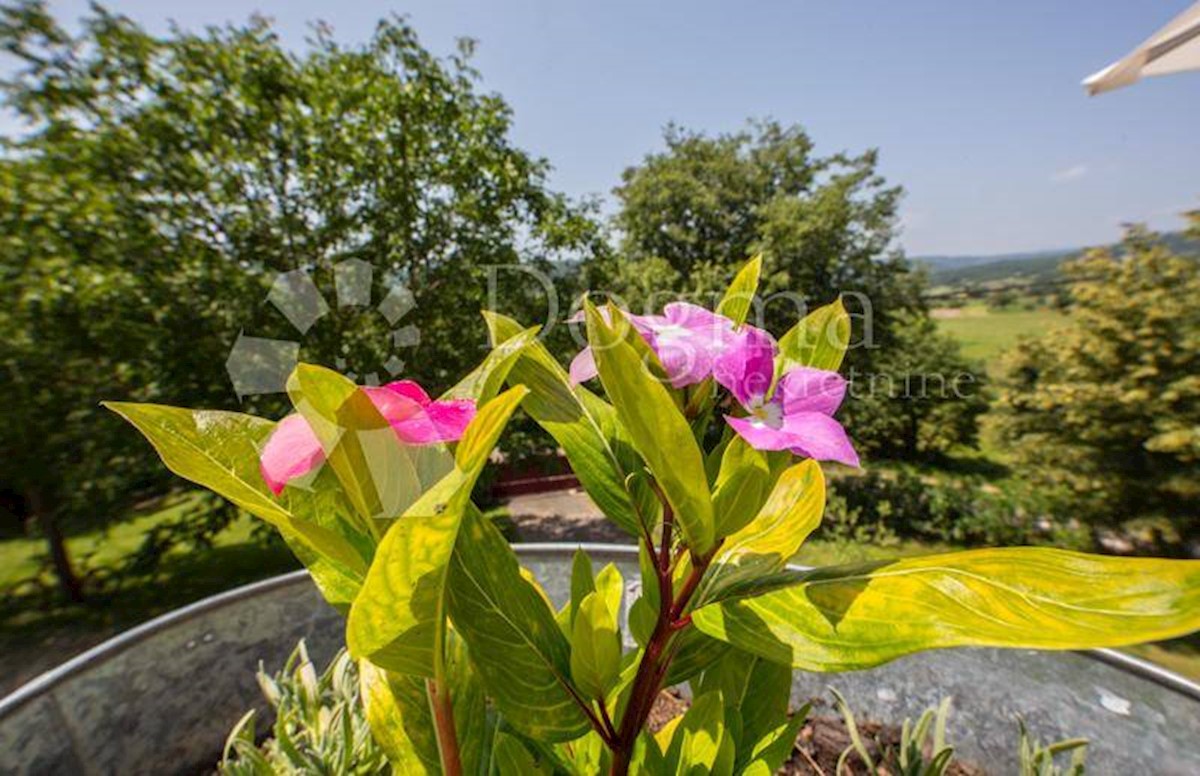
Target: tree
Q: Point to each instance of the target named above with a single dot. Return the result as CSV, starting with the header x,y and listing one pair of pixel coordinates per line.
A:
x,y
1109,406
925,398
690,214
165,182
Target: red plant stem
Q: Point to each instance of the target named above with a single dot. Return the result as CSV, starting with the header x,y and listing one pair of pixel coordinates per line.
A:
x,y
443,720
607,720
656,660
664,553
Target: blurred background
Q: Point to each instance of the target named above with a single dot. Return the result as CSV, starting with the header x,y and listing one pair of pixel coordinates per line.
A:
x,y
1021,261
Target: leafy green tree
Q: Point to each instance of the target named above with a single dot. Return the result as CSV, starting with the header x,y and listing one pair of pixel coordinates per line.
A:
x,y
163,183
693,212
1109,406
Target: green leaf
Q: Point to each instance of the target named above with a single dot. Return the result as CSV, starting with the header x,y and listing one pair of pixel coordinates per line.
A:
x,y
741,486
792,511
398,712
658,429
587,755
735,305
700,744
858,616
757,689
521,655
396,617
582,581
647,756
219,451
819,340
381,476
474,730
482,384
595,647
642,619
511,758
695,652
584,425
770,752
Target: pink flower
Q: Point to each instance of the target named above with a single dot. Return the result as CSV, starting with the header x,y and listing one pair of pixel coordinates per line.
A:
x,y
293,450
798,416
687,340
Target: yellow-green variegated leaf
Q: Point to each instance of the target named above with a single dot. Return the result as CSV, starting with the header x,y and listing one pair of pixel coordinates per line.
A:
x,y
400,611
739,297
485,381
584,425
819,340
768,542
853,617
517,647
398,713
611,587
659,431
398,710
220,451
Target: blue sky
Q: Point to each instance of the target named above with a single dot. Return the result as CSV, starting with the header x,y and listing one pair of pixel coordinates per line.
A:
x,y
975,106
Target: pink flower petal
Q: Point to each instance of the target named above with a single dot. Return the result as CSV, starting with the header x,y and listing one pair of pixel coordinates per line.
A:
x,y
687,359
687,340
417,419
409,390
805,389
583,367
292,451
816,435
759,435
747,365
439,421
395,405
808,434
695,317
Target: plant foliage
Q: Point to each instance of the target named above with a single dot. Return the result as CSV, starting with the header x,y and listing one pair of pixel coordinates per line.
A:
x,y
467,665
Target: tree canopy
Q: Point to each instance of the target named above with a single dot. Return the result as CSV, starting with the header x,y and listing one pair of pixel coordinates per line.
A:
x,y
1108,407
163,183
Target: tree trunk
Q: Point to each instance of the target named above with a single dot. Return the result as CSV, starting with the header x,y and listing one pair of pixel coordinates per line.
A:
x,y
67,580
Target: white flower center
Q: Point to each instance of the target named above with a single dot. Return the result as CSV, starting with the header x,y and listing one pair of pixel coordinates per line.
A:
x,y
765,413
670,334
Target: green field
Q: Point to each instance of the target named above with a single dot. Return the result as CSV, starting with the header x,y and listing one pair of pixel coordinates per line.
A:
x,y
985,333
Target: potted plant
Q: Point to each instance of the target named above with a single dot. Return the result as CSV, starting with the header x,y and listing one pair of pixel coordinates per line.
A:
x,y
705,448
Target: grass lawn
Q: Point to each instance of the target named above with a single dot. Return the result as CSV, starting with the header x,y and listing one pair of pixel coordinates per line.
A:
x,y
985,333
98,547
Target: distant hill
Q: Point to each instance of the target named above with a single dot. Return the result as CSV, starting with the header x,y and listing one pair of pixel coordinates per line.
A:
x,y
1032,265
